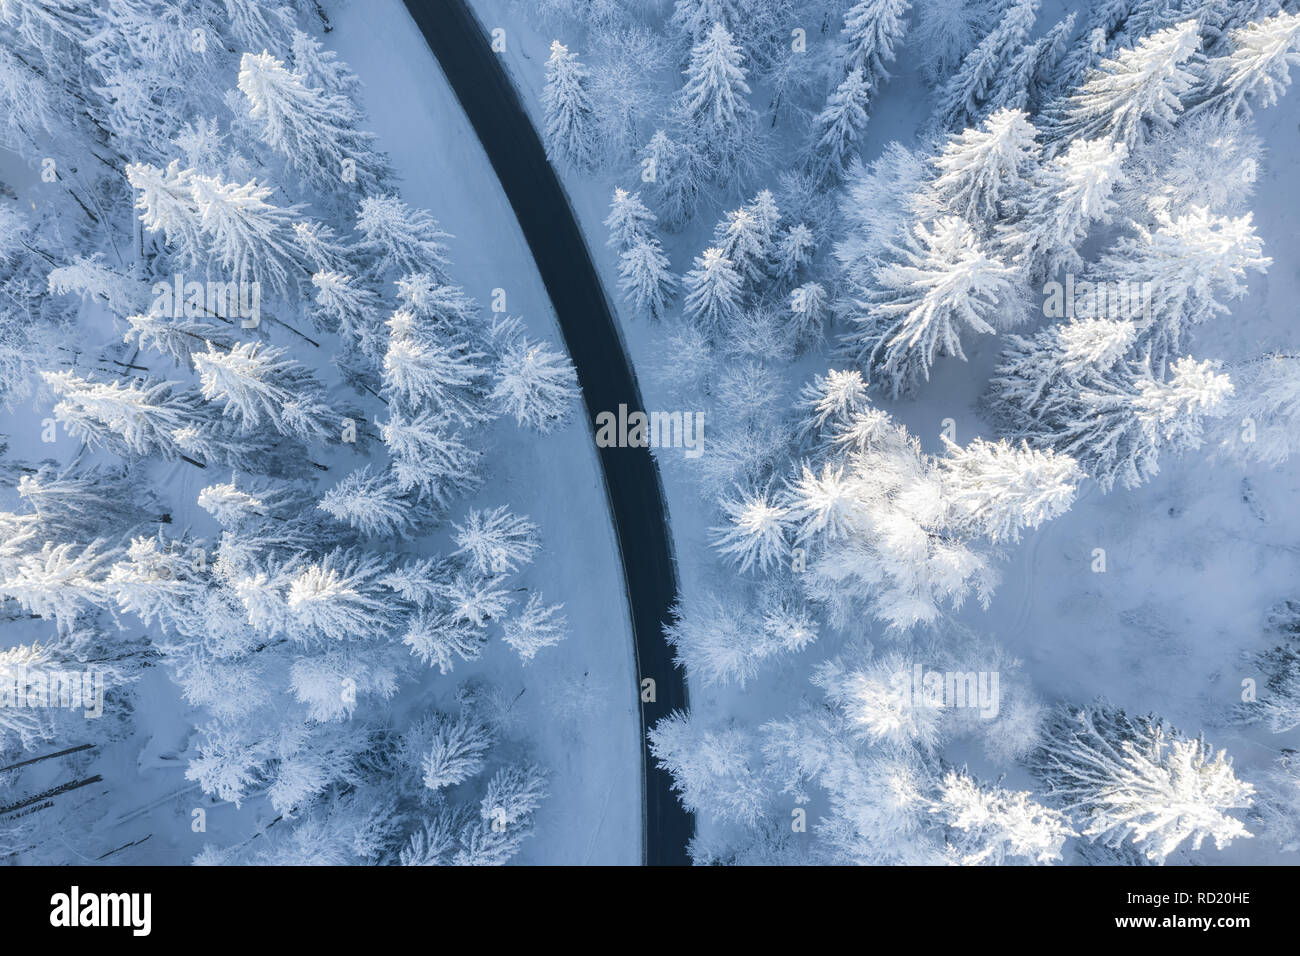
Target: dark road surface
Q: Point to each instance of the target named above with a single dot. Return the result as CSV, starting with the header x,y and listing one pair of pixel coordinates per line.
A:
x,y
550,228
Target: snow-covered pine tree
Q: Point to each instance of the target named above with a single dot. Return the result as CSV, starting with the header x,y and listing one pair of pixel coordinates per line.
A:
x,y
398,239
254,382
983,171
837,128
1135,779
713,107
1070,389
316,130
1053,217
629,221
138,418
1138,91
992,826
422,368
645,279
429,457
942,283
166,203
566,99
715,770
793,253
252,239
872,30
713,290
964,98
456,749
535,627
744,242
373,503
338,597
1257,73
1179,273
754,535
496,541
536,384
998,490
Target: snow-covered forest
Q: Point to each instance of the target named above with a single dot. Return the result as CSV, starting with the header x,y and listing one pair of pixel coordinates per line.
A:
x,y
987,310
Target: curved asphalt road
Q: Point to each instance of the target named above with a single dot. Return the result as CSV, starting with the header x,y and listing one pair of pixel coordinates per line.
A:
x,y
488,98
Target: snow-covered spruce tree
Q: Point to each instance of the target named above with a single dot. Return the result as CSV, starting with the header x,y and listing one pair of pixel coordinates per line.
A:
x,y
423,368
430,458
399,240
964,98
1032,75
629,221
373,503
59,582
1261,421
677,173
254,382
872,30
1135,779
349,308
757,25
316,130
1147,17
1257,73
754,536
536,384
1071,389
496,541
984,171
942,283
166,203
713,290
566,99
838,126
714,768
127,419
1056,211
87,501
745,242
1181,270
713,108
339,596
992,826
536,627
873,521
997,490
948,30
250,238
645,279
456,748
793,253
1137,92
